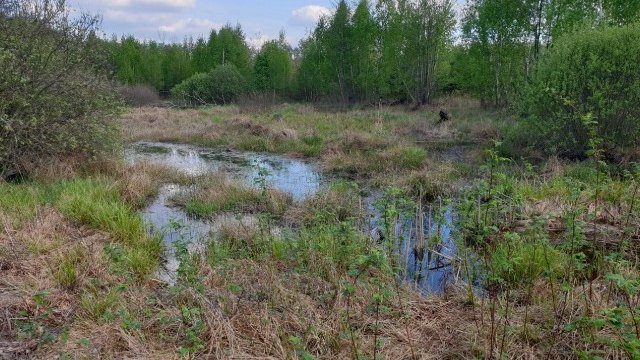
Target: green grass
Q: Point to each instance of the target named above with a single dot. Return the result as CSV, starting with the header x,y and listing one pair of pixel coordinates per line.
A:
x,y
409,157
66,274
19,202
95,202
218,194
230,199
98,303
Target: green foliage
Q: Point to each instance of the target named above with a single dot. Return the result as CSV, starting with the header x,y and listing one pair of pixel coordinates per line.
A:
x,y
54,97
505,38
515,261
223,85
67,272
492,62
587,86
364,55
273,67
193,319
196,90
164,66
97,203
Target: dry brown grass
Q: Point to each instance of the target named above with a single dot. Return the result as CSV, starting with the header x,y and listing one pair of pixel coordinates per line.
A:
x,y
270,305
256,321
139,182
166,125
328,206
217,193
30,259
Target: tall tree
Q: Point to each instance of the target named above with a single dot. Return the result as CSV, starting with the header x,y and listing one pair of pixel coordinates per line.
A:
x,y
273,66
364,59
228,46
338,48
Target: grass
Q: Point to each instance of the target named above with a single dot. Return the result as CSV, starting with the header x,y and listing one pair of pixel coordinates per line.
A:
x,y
215,194
67,272
554,248
364,144
94,202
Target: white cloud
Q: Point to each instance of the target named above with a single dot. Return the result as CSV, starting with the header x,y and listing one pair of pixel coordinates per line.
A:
x,y
137,17
308,15
258,40
189,25
168,3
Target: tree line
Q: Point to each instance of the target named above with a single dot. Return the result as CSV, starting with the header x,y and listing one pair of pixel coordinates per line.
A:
x,y
392,51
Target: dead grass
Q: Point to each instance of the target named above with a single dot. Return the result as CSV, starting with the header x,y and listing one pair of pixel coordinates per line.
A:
x,y
272,313
251,309
359,143
168,125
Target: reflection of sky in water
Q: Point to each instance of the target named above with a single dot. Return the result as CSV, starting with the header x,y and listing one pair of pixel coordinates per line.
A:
x,y
173,224
430,272
289,175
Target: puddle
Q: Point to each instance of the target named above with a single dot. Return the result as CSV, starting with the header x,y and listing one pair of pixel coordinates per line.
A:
x,y
293,176
427,268
427,260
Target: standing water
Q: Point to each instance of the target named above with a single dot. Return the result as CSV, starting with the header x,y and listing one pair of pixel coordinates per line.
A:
x,y
428,269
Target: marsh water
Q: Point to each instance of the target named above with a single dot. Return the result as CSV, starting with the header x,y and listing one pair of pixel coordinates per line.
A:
x,y
429,270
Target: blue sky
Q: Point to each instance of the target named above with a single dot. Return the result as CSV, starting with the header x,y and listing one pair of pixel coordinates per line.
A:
x,y
172,20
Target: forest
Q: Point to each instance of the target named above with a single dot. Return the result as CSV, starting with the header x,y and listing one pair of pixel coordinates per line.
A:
x,y
414,179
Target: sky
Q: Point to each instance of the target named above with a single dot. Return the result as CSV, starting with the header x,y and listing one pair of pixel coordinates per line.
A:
x,y
173,20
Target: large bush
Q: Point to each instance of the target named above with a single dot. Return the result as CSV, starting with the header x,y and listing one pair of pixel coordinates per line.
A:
x,y
592,74
223,85
54,97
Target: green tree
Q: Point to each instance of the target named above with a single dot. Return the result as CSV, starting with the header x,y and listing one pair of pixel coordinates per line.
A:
x,y
273,66
364,59
223,85
228,46
339,49
590,74
314,73
176,66
414,35
498,31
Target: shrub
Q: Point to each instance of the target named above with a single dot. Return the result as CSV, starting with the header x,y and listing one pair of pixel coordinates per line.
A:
x,y
139,95
223,85
55,99
594,74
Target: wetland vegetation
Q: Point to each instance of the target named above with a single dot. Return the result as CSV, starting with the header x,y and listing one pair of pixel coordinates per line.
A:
x,y
318,207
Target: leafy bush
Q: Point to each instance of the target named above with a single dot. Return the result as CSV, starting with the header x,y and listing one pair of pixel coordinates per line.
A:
x,y
139,95
223,85
589,75
55,99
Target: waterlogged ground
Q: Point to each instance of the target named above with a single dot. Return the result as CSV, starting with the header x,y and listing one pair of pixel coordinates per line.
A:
x,y
429,268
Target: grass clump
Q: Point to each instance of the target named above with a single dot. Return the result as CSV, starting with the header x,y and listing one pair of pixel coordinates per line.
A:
x,y
407,157
218,194
67,271
96,203
97,303
19,202
339,203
